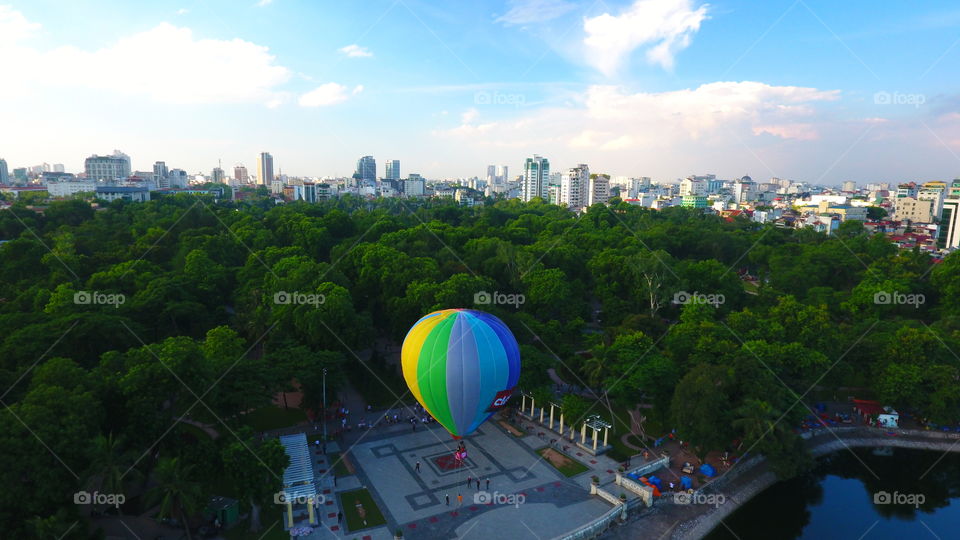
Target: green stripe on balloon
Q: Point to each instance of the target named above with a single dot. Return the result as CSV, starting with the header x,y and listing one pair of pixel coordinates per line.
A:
x,y
432,372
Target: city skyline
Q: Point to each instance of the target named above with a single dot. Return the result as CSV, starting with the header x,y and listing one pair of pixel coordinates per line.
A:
x,y
687,86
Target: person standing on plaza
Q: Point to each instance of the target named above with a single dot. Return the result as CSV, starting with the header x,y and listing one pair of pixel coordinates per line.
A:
x,y
459,499
488,484
448,499
340,517
418,465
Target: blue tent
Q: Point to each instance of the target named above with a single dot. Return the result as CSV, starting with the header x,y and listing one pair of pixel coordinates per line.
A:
x,y
655,481
686,482
707,469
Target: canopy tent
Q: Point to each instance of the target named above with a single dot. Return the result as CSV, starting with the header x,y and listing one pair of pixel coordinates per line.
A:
x,y
707,470
686,482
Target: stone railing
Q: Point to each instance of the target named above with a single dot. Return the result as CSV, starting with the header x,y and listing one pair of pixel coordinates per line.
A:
x,y
645,492
659,463
595,528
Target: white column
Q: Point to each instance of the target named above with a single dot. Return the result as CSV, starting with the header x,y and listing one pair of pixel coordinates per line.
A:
x,y
523,402
551,416
561,422
595,433
606,431
533,405
583,434
541,415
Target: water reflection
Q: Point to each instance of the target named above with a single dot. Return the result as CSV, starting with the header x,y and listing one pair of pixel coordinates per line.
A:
x,y
913,491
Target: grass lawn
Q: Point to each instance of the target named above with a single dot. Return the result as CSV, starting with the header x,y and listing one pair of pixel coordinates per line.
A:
x,y
562,462
348,502
339,467
273,417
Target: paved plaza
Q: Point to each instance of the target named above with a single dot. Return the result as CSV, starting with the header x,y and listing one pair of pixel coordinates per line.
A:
x,y
535,500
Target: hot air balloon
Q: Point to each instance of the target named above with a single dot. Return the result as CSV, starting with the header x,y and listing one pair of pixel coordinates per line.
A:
x,y
462,366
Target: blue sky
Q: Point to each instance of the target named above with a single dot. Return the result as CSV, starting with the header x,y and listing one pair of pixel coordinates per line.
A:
x,y
803,89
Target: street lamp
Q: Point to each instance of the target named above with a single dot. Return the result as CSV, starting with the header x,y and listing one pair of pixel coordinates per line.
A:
x,y
324,406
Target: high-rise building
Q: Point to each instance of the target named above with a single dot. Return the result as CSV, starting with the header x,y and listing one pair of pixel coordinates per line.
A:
x,y
574,187
744,190
240,174
849,186
4,172
393,169
217,175
367,170
599,189
948,235
265,169
160,170
693,186
413,186
536,178
58,167
20,175
177,178
109,168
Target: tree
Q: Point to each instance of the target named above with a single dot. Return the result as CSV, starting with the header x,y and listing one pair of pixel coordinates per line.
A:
x,y
256,469
701,408
178,494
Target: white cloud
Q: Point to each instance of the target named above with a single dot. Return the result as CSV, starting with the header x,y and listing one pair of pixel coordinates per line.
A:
x,y
530,11
192,70
664,26
328,94
469,116
14,27
356,51
183,11
609,119
264,3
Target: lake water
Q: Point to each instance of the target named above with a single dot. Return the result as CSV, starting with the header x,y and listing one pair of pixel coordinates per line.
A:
x,y
836,500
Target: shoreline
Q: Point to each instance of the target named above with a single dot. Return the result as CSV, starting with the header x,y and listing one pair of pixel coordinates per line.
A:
x,y
686,522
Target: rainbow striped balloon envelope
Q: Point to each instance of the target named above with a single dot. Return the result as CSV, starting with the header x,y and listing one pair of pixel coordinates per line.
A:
x,y
462,366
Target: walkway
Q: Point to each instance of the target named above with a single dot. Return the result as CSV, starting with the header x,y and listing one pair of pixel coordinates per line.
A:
x,y
744,481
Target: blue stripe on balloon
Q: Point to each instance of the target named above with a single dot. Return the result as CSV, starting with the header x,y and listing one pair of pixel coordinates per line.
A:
x,y
511,350
463,373
493,374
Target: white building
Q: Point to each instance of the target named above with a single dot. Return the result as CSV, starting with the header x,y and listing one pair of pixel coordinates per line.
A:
x,y
599,189
948,237
107,168
70,187
693,186
744,190
536,178
574,187
414,185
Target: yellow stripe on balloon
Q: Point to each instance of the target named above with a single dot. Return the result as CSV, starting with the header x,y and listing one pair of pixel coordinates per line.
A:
x,y
412,345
